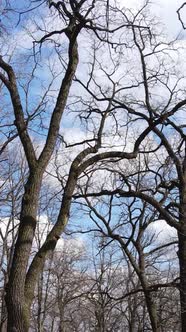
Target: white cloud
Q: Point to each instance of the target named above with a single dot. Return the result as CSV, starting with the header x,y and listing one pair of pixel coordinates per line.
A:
x,y
163,231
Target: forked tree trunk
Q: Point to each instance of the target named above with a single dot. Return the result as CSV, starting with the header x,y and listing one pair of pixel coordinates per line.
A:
x,y
20,293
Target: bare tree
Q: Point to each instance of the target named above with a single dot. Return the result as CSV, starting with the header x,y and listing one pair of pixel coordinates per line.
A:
x,y
74,16
129,227
134,93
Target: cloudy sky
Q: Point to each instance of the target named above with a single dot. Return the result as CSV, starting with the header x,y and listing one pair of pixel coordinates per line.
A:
x,y
164,9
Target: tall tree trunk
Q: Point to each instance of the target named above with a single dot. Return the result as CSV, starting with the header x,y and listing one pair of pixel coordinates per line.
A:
x,y
182,247
19,296
182,262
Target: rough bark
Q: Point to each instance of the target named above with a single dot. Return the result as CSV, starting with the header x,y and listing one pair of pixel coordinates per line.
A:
x,y
18,315
182,250
182,263
17,298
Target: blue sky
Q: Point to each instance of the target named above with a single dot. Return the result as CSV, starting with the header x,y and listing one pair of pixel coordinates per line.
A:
x,y
165,9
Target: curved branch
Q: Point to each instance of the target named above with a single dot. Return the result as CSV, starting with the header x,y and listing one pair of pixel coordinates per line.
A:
x,y
20,123
152,201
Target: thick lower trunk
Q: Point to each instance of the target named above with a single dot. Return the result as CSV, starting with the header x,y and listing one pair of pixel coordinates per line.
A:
x,y
18,312
18,317
100,317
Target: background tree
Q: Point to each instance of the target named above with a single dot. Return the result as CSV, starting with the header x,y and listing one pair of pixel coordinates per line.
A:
x,y
130,228
13,174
